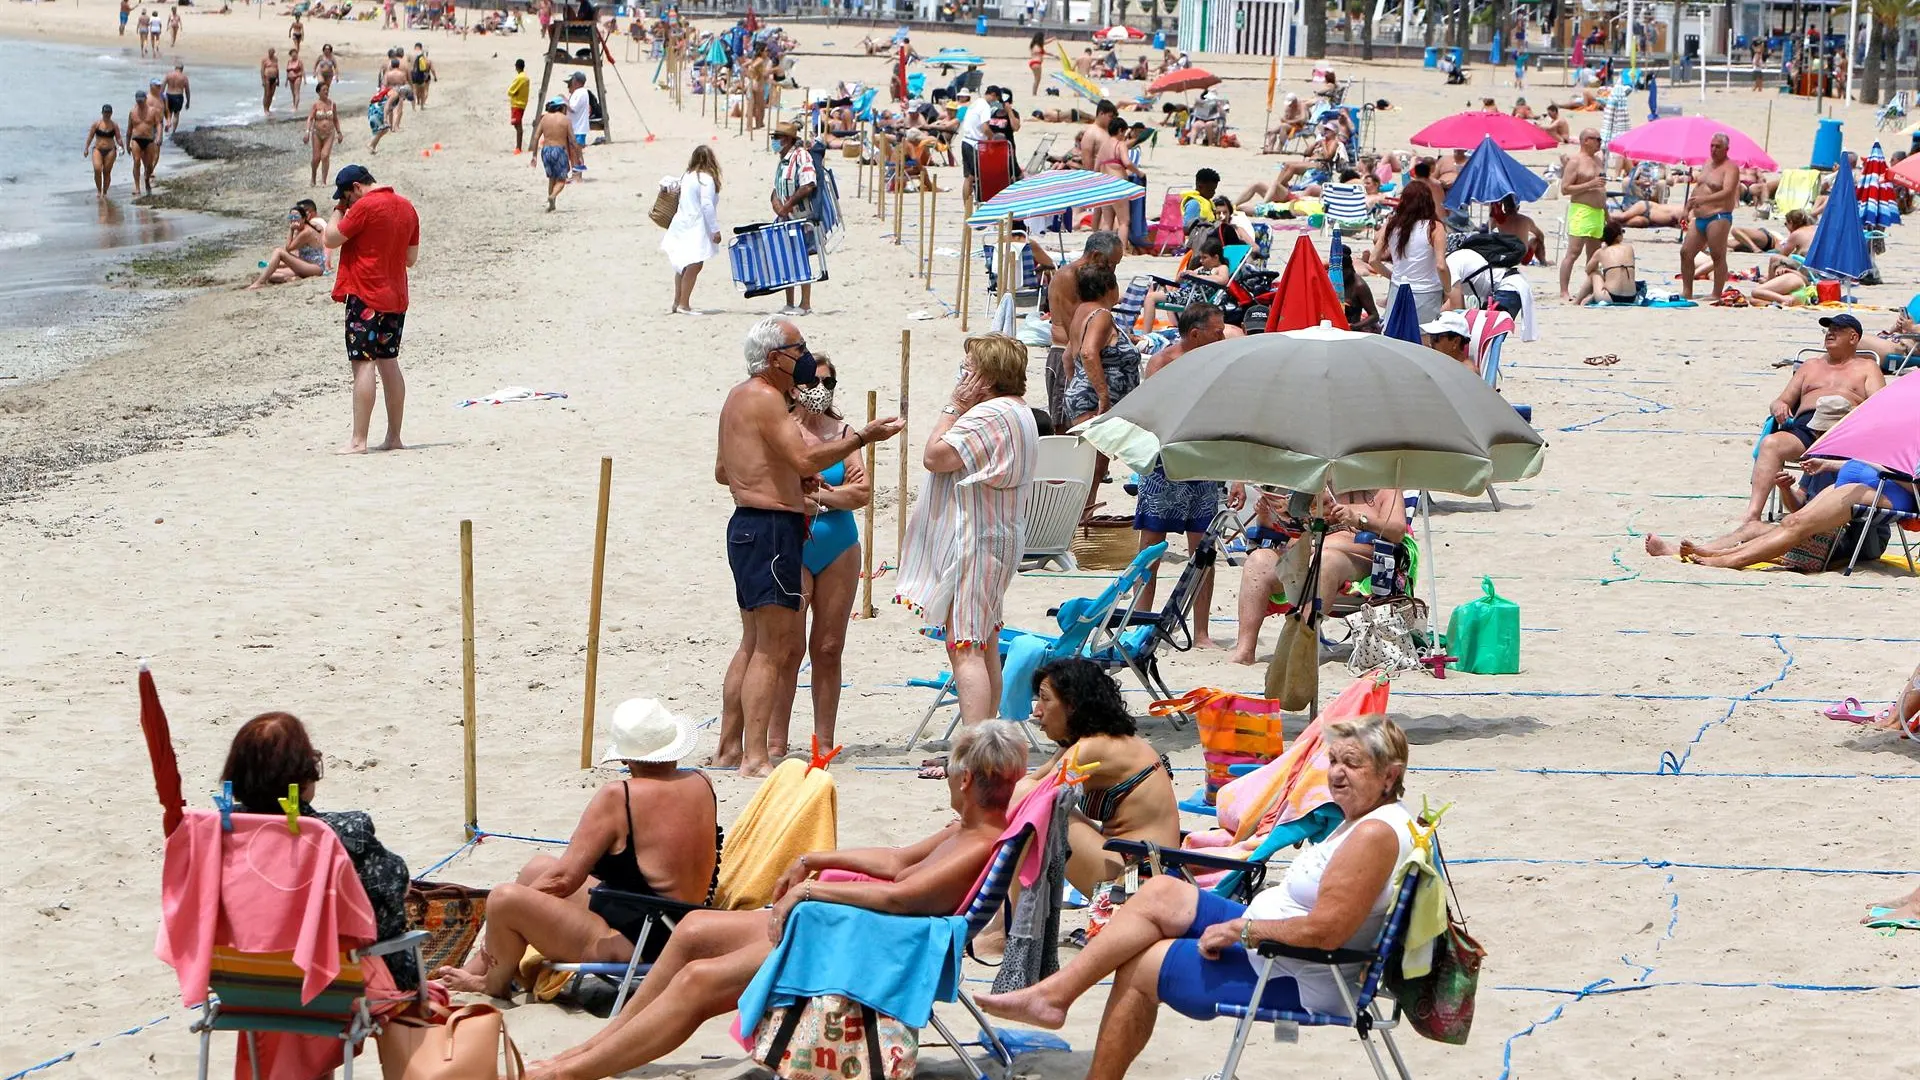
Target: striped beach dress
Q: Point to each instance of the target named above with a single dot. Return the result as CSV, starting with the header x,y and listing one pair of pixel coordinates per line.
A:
x,y
968,526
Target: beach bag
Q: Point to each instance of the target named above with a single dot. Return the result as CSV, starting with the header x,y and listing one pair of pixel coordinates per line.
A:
x,y
665,204
470,1043
1293,675
831,1037
1235,729
1382,635
1439,1004
1485,634
1817,553
451,915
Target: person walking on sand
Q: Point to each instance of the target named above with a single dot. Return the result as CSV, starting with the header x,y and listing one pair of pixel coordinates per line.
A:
x,y
126,10
323,130
296,74
517,94
104,143
693,236
420,74
770,469
179,95
580,117
297,32
552,147
1711,209
379,113
378,235
794,182
1583,180
269,80
395,80
173,26
143,139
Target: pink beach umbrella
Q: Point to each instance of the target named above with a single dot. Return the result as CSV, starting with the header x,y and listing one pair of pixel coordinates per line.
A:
x,y
1463,131
1685,140
1883,431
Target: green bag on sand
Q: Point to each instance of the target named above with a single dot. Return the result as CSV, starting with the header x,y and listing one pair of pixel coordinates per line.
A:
x,y
1485,634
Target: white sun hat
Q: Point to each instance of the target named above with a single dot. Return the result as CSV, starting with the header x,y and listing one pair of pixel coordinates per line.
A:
x,y
643,730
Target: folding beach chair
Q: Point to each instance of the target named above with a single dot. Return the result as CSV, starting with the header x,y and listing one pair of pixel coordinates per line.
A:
x,y
1062,476
776,255
1132,639
1347,209
1170,232
1243,877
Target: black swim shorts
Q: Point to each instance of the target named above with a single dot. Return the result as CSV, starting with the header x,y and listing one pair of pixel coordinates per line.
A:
x,y
1800,427
372,335
763,548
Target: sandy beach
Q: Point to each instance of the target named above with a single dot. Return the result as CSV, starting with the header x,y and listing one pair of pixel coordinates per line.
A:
x,y
178,500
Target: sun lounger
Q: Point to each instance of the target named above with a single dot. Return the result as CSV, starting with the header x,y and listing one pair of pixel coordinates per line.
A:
x,y
776,255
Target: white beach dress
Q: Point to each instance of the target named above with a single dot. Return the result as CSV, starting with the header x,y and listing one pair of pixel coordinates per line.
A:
x,y
689,238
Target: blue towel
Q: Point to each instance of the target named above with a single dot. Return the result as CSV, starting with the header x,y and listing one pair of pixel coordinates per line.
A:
x,y
1023,658
898,965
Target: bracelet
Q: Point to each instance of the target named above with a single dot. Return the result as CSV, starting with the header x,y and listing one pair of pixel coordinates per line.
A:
x,y
1246,934
861,438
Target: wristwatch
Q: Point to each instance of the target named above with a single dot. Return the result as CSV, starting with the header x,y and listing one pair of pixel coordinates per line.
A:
x,y
950,409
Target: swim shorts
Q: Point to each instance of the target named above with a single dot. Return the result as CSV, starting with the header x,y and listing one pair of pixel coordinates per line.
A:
x,y
1191,984
579,140
763,549
553,159
970,160
372,335
1586,221
515,114
176,104
1799,427
1705,223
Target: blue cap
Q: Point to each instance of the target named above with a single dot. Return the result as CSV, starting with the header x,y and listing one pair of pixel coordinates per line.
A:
x,y
347,177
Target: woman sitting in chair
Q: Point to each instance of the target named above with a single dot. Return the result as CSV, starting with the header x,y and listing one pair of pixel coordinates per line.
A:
x,y
654,833
714,954
1191,949
1198,282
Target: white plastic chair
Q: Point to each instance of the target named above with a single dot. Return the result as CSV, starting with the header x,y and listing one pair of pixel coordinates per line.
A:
x,y
1062,476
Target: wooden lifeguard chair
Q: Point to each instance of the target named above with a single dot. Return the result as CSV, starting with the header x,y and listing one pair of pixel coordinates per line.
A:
x,y
566,38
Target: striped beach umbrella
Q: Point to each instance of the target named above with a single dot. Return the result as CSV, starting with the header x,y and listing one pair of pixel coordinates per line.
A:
x,y
1091,91
1879,203
1050,193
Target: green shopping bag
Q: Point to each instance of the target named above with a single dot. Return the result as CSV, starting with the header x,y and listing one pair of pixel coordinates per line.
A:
x,y
1485,634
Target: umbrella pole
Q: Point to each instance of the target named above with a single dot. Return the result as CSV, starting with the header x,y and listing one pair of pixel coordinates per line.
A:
x,y
1000,275
1426,556
469,722
966,270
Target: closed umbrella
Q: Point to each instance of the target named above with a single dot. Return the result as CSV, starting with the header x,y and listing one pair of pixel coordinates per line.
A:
x,y
1403,317
1490,175
1464,131
1881,431
1079,84
166,770
1687,140
1304,296
1123,33
1879,203
1181,80
1839,244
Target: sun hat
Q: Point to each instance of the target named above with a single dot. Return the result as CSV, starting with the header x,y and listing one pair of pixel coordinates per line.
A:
x,y
643,730
1828,410
786,130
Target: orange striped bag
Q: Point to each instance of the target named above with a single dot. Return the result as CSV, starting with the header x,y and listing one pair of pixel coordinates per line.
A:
x,y
1235,729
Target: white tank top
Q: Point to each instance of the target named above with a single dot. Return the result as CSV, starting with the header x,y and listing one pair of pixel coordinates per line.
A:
x,y
1300,890
1414,264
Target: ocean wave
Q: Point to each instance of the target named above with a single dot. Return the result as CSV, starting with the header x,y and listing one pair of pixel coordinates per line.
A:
x,y
116,61
12,240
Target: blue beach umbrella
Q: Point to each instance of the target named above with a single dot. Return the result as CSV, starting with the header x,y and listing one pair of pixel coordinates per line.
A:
x,y
1839,245
1653,99
1492,174
1403,320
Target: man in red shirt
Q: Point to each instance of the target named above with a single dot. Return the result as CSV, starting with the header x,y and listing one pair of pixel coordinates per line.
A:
x,y
378,234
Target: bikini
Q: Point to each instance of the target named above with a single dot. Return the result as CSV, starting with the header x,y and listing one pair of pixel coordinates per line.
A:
x,y
103,140
830,533
620,871
1103,806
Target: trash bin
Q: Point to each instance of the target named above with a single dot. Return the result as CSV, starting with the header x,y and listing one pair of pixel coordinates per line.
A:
x,y
1459,57
980,25
1826,144
1432,58
1159,40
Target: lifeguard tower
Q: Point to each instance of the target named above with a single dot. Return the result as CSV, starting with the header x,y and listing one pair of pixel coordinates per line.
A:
x,y
575,42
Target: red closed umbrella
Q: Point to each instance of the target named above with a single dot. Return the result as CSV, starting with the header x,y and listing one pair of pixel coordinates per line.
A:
x,y
166,770
1463,131
1174,82
1304,298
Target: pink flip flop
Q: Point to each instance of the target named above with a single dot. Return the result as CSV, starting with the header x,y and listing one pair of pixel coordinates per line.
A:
x,y
1849,711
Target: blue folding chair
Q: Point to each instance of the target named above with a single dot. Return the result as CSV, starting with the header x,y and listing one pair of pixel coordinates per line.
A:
x,y
1244,877
776,255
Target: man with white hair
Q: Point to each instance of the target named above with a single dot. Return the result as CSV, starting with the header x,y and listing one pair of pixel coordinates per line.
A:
x,y
771,472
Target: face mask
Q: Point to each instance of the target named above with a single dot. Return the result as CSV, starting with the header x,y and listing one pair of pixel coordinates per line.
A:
x,y
805,370
817,398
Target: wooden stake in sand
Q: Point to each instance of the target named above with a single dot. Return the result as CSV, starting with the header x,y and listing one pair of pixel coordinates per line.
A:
x,y
1766,140
966,269
593,615
1000,276
899,197
469,721
900,497
920,239
866,553
933,229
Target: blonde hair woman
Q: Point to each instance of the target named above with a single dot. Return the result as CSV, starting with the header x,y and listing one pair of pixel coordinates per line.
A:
x,y
693,237
964,538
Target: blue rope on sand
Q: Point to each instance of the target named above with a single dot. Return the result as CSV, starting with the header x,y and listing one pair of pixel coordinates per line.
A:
x,y
68,1056
1670,763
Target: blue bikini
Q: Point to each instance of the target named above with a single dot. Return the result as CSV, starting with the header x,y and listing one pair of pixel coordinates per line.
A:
x,y
831,532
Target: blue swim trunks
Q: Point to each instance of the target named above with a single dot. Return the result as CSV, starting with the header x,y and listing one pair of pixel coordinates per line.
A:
x,y
1898,495
1191,984
553,159
1705,223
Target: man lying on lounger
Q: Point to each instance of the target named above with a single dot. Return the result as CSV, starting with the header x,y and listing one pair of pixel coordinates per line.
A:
x,y
1855,483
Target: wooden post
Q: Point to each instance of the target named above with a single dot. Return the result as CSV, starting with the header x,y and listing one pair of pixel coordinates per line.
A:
x,y
593,614
920,240
900,498
899,199
933,231
866,553
469,721
1767,139
880,183
966,268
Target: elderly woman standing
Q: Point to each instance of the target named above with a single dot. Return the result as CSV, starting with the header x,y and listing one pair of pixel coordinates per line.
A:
x,y
831,555
1176,944
693,236
964,539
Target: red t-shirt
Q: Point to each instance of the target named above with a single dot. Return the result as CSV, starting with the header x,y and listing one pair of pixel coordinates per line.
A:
x,y
373,262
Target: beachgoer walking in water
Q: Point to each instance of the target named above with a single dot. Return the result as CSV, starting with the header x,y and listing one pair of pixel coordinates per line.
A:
x,y
1583,180
296,73
1711,209
143,138
297,32
517,95
179,95
693,236
770,470
323,130
269,81
378,234
553,146
326,68
103,144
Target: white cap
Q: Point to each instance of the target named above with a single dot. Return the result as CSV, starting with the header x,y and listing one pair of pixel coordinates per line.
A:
x,y
1447,322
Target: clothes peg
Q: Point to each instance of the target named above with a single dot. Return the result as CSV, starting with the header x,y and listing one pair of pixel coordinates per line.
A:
x,y
818,762
223,802
291,804
1437,664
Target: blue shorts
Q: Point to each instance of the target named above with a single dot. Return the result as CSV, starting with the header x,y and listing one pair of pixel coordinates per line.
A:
x,y
553,159
763,550
1897,494
579,140
1191,984
1705,223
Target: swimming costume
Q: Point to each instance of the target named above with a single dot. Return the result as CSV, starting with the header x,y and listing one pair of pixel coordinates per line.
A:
x,y
1175,506
554,160
273,82
1191,984
377,117
763,550
1704,223
1629,298
314,255
1119,362
832,532
1107,803
621,872
1586,221
144,140
1898,495
1799,427
579,140
176,104
372,335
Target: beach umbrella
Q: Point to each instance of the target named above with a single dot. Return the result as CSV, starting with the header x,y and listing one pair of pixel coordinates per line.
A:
x,y
1839,243
1490,175
717,53
1684,140
1880,431
1304,296
1464,131
1078,84
1304,409
1879,203
166,770
1051,192
1403,317
1122,33
955,57
1181,80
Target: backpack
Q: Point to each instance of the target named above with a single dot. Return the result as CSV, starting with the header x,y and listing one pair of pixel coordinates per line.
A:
x,y
1501,250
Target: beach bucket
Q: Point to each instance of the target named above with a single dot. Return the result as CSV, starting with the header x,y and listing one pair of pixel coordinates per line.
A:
x,y
1828,292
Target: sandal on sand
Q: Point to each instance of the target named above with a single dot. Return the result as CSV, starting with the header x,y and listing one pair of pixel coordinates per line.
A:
x,y
1849,711
934,768
1603,360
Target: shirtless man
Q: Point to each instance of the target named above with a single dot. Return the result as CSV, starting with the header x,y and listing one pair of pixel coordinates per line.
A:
x,y
1843,371
1507,218
325,69
323,130
143,138
269,80
1063,299
104,142
1711,208
296,74
395,80
1447,170
179,95
1556,125
1092,140
1584,181
553,146
770,469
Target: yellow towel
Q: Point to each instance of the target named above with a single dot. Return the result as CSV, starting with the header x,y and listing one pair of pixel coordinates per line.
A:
x,y
1797,191
793,813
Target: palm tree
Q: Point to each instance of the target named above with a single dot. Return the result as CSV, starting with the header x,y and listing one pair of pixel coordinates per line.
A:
x,y
1315,14
1366,28
1886,16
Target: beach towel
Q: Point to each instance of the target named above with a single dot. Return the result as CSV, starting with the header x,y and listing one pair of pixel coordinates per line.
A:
x,y
793,813
1033,937
513,393
898,965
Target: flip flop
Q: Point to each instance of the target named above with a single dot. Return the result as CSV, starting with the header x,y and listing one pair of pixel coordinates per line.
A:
x,y
1887,923
1849,711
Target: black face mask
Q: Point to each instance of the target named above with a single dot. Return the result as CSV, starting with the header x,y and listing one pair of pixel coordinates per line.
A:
x,y
806,372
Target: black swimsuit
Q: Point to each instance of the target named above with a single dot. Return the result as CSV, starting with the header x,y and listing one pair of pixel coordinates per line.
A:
x,y
620,871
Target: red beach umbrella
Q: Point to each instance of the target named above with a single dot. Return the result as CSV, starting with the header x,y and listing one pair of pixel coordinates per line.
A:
x,y
1304,298
1182,80
166,770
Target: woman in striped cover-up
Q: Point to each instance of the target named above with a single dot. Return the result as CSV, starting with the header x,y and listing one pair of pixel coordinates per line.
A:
x,y
965,535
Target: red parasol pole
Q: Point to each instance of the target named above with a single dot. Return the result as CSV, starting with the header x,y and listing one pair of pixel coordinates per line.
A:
x,y
166,770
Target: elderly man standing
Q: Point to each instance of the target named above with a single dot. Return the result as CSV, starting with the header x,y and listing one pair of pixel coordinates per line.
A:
x,y
770,470
1063,297
580,116
1711,208
1584,181
795,182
